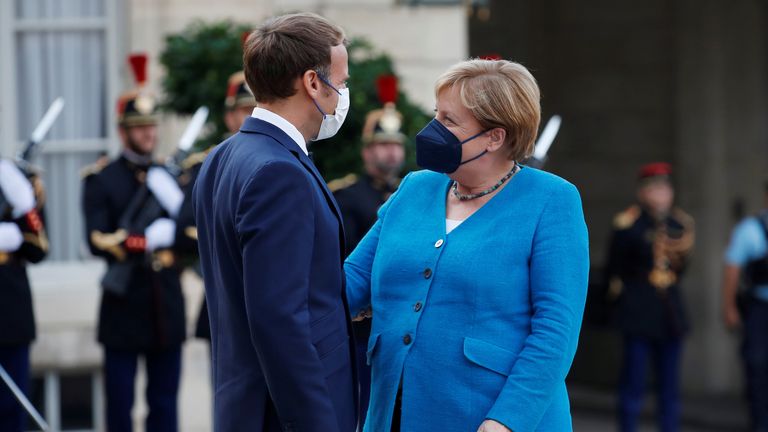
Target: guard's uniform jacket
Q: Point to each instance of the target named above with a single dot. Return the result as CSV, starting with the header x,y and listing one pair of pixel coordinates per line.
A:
x,y
359,198
186,231
16,314
150,315
645,261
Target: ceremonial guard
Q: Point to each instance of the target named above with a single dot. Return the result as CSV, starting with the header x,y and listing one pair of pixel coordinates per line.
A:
x,y
360,196
130,206
22,240
238,105
648,253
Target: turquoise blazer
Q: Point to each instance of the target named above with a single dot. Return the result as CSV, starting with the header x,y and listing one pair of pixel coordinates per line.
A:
x,y
482,323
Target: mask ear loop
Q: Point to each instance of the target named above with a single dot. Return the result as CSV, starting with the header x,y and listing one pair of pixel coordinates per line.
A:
x,y
470,139
473,137
318,108
328,83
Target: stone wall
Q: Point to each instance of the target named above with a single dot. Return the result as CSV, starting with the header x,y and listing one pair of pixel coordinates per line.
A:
x,y
676,80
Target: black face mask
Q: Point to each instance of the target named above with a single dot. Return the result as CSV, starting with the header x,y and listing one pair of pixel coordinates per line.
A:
x,y
437,149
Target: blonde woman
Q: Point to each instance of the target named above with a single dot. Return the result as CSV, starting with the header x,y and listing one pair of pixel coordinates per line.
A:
x,y
476,270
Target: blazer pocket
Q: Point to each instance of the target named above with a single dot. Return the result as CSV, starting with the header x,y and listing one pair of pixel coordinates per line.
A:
x,y
329,332
373,340
337,358
489,356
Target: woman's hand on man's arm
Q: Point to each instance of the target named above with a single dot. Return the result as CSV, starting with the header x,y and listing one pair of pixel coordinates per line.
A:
x,y
493,426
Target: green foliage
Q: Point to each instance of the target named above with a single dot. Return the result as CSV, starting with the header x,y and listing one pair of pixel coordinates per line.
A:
x,y
200,59
198,62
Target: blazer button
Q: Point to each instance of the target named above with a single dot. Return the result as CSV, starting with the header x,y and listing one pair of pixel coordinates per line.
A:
x,y
439,243
407,339
427,273
417,307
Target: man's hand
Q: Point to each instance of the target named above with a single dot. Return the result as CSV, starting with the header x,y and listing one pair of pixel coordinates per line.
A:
x,y
16,189
363,314
492,426
731,317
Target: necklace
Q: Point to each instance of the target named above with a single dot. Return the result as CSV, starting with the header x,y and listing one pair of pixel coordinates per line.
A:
x,y
467,197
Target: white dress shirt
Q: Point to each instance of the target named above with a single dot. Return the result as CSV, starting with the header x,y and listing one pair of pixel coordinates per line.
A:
x,y
282,124
452,224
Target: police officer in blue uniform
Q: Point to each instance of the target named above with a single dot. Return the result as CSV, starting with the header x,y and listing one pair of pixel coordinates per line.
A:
x,y
130,206
649,250
746,265
359,198
22,240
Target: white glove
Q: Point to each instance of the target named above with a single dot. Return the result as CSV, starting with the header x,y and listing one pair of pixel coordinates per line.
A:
x,y
10,237
160,234
165,189
16,188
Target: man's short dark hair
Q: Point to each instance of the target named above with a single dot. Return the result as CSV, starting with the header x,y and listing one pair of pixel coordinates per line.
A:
x,y
285,47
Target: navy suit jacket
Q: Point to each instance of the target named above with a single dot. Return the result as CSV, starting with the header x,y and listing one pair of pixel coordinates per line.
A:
x,y
271,249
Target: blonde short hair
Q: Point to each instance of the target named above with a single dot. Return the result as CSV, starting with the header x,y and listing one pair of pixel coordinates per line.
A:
x,y
499,94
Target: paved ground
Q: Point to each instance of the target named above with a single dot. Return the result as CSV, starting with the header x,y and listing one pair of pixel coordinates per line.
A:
x,y
593,411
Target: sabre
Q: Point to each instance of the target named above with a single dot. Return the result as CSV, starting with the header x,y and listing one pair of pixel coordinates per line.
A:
x,y
23,399
187,139
545,142
23,157
42,129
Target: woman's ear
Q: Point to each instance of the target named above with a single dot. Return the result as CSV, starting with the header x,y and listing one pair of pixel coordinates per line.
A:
x,y
498,137
311,83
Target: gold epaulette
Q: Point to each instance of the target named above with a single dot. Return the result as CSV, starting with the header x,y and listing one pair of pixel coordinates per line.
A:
x,y
342,183
627,218
39,188
194,159
94,168
684,218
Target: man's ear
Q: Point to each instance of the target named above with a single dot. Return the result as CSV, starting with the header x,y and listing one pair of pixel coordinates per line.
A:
x,y
498,138
311,83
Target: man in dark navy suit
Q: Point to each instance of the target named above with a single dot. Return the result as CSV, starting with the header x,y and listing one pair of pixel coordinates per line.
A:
x,y
271,242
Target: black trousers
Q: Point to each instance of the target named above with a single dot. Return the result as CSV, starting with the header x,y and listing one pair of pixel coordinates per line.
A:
x,y
163,375
397,412
15,361
755,353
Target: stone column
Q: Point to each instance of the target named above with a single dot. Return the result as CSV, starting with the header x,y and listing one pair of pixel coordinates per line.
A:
x,y
720,140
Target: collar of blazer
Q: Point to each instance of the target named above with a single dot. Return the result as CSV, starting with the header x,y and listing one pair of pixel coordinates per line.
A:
x,y
253,125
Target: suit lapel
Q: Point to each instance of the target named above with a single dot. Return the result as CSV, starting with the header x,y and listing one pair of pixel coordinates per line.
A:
x,y
254,125
319,178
